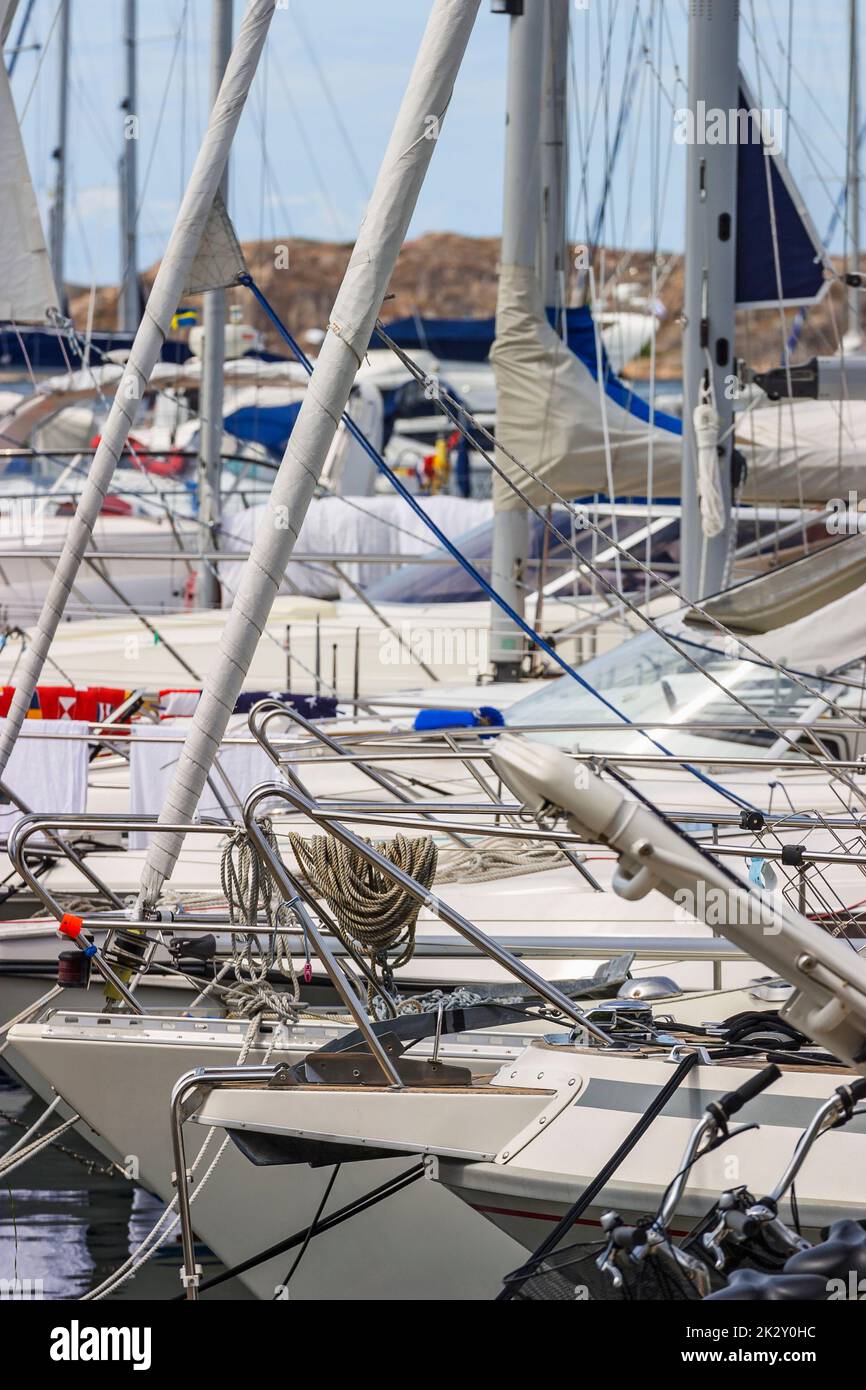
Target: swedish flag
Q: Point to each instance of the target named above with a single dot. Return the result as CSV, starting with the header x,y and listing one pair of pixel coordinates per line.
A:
x,y
184,318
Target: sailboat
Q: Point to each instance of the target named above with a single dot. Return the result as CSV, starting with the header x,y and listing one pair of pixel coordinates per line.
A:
x,y
478,1125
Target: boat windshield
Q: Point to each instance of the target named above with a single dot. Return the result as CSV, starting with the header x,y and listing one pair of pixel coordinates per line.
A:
x,y
647,679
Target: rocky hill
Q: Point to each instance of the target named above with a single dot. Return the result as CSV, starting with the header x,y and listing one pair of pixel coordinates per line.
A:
x,y
445,275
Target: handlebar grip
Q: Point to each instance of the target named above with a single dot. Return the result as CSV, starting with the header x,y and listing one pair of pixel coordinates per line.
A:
x,y
741,1223
735,1100
857,1089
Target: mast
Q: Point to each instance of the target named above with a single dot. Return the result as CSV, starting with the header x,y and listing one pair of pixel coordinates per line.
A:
x,y
127,301
708,335
553,242
853,340
18,45
520,224
350,327
213,361
172,278
58,207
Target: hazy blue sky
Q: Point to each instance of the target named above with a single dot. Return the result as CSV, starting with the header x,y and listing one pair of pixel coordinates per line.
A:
x,y
356,55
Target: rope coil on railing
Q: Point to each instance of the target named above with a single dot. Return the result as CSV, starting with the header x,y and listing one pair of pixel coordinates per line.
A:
x,y
249,889
371,912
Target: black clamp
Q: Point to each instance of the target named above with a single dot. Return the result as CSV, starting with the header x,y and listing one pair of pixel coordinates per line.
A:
x,y
793,856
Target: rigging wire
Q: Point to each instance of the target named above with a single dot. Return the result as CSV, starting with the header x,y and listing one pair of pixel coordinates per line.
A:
x,y
398,485
820,761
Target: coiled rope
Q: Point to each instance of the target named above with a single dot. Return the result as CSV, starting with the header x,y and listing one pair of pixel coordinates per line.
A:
x,y
489,859
249,889
372,913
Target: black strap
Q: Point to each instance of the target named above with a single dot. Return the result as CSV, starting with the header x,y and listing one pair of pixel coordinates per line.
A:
x,y
517,1277
409,1028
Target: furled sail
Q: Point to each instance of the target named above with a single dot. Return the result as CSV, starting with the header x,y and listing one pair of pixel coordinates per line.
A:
x,y
27,289
822,640
557,419
554,418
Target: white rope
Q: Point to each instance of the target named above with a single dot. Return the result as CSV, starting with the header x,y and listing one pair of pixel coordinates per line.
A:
x,y
488,859
13,1161
706,425
249,887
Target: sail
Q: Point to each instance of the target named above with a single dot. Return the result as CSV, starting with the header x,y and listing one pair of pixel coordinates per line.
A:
x,y
779,253
219,261
27,289
553,416
556,418
823,640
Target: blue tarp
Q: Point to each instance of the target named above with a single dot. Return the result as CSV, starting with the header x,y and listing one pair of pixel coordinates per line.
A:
x,y
430,719
45,349
470,340
269,425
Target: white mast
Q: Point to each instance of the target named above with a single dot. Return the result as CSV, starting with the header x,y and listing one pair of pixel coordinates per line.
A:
x,y
128,306
168,288
520,224
553,243
708,336
211,403
853,340
58,207
352,321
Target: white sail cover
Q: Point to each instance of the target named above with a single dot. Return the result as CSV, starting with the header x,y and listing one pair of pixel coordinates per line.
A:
x,y
803,451
555,419
27,289
353,318
787,592
20,416
821,641
554,416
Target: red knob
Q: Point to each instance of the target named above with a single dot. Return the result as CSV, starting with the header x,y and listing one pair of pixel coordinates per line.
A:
x,y
70,925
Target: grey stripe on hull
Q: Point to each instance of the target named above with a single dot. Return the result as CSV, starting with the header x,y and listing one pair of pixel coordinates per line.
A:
x,y
689,1102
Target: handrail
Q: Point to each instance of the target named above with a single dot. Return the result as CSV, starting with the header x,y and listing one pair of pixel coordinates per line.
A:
x,y
599,755
66,849
487,945
28,826
661,948
322,948
182,1103
266,710
828,724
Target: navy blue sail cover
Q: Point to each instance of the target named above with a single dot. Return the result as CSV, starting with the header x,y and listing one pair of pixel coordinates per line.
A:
x,y
798,277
